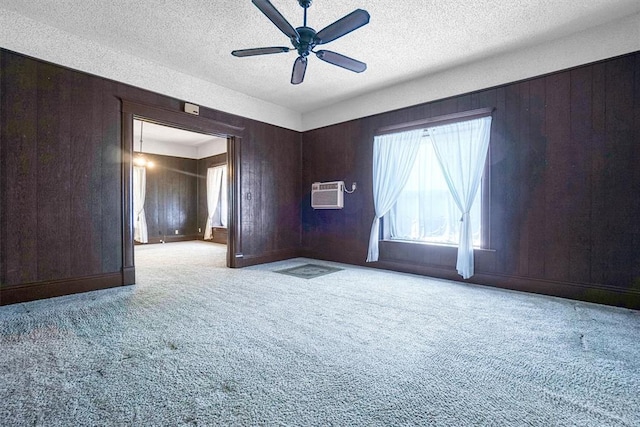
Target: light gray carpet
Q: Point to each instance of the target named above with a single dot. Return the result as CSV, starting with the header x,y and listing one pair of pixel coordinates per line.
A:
x,y
195,343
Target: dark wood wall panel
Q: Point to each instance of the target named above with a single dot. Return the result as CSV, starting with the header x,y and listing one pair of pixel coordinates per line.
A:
x,y
189,197
621,210
3,185
523,154
19,107
506,163
171,201
533,184
579,180
82,207
53,184
501,171
636,161
558,169
61,157
62,187
271,192
598,169
111,179
563,172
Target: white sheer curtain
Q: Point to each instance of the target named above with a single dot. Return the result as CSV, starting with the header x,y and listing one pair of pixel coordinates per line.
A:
x,y
425,210
139,194
461,149
214,185
393,158
223,198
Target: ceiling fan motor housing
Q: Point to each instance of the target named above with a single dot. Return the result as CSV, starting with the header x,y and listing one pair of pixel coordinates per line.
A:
x,y
306,42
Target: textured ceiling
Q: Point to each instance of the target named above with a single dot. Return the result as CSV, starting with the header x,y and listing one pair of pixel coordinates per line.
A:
x,y
404,40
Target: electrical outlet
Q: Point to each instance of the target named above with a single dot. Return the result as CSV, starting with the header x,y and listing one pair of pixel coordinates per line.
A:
x,y
353,187
199,230
176,231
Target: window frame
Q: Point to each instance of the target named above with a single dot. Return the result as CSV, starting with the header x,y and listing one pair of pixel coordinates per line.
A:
x,y
485,237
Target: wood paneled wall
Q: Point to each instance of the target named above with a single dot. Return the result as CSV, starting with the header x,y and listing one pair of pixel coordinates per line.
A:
x,y
271,195
564,156
171,201
61,191
61,212
564,180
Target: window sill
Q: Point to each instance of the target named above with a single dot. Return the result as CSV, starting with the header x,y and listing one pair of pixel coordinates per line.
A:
x,y
430,244
431,255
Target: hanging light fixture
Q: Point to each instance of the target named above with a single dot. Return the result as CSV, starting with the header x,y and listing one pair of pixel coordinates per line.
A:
x,y
140,159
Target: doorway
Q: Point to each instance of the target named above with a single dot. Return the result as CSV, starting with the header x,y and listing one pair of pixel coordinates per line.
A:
x,y
153,116
172,189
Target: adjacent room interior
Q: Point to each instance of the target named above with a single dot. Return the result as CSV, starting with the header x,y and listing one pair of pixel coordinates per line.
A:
x,y
179,185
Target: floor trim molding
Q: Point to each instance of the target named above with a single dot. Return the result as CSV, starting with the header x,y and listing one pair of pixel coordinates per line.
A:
x,y
56,288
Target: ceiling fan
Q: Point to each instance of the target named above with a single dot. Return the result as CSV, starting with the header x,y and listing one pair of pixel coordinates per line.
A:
x,y
305,39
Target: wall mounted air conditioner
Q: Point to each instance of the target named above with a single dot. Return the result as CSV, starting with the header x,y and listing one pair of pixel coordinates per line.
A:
x,y
327,195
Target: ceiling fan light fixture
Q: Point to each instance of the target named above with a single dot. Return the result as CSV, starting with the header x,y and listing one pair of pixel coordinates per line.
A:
x,y
140,159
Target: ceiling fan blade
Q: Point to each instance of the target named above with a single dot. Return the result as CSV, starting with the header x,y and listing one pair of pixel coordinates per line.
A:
x,y
345,25
299,68
259,51
272,13
341,61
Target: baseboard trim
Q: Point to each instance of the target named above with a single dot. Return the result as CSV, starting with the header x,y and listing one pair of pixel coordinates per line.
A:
x,y
56,288
247,260
171,239
588,292
128,275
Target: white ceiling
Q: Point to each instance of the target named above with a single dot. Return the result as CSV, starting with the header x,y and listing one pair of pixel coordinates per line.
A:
x,y
405,41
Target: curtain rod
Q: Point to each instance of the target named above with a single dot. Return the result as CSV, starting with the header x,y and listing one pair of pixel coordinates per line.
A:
x,y
436,121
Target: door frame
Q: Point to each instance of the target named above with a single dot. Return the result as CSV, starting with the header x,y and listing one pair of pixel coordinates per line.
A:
x,y
185,121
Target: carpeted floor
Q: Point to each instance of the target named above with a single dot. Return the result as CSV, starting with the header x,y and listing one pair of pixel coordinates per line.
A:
x,y
195,343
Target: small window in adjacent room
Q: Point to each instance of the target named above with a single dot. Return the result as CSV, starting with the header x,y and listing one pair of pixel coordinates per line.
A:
x,y
217,203
425,210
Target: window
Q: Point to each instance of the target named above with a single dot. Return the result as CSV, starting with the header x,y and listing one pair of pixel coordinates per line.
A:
x,y
409,194
425,210
216,199
220,213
